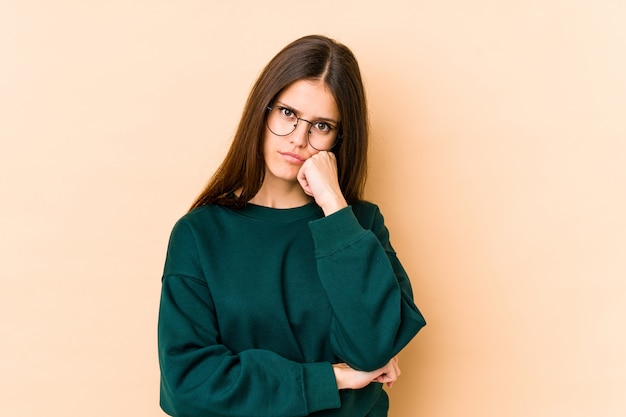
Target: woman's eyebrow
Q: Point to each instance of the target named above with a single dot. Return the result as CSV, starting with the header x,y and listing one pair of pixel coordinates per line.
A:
x,y
298,112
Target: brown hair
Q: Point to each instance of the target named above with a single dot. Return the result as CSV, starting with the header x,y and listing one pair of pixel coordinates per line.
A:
x,y
310,57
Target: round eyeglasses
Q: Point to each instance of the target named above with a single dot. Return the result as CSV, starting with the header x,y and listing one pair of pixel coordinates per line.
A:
x,y
321,135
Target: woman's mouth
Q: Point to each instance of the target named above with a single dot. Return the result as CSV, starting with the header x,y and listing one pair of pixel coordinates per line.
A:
x,y
292,157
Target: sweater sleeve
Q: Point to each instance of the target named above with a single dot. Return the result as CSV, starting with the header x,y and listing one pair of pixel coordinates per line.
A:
x,y
201,377
374,315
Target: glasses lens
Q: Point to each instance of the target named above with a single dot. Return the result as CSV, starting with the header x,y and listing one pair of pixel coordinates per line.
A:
x,y
281,122
322,141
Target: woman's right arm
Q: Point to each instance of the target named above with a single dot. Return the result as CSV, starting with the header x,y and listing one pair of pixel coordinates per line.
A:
x,y
200,376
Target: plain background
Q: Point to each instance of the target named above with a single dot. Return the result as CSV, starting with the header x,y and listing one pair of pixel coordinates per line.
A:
x,y
499,145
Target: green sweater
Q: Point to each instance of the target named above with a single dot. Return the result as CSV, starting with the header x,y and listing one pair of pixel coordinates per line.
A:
x,y
257,304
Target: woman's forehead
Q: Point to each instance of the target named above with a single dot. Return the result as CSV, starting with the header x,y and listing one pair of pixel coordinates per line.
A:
x,y
310,98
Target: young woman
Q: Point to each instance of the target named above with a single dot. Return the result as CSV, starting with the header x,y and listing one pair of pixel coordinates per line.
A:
x,y
282,295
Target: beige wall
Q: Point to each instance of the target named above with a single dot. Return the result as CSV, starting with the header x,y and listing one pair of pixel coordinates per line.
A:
x,y
498,160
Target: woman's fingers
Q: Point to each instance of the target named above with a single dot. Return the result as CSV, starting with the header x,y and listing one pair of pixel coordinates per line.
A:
x,y
318,178
389,373
350,378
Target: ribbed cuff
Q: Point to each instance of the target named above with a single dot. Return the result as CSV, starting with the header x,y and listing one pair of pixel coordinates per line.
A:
x,y
320,387
336,231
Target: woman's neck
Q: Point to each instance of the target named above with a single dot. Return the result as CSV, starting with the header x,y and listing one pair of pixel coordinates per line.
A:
x,y
284,197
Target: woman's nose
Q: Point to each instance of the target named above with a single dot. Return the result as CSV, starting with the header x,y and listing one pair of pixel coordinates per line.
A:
x,y
300,135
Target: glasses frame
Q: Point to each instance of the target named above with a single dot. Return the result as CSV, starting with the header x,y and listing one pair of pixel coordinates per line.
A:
x,y
338,136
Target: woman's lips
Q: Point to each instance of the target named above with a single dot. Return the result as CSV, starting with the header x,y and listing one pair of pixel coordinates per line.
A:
x,y
293,158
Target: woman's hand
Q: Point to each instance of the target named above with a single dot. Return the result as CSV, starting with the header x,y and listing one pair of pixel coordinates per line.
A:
x,y
348,378
391,373
318,178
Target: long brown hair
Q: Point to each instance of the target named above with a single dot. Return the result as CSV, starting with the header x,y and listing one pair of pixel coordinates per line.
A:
x,y
310,57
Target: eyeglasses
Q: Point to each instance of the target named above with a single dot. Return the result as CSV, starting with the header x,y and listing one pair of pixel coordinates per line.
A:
x,y
321,135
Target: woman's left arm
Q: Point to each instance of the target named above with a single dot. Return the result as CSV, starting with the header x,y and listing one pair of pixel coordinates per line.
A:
x,y
374,315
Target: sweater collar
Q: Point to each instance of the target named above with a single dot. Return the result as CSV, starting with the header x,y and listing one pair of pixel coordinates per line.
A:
x,y
310,210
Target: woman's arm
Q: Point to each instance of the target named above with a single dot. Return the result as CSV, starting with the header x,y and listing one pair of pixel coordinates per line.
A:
x,y
200,376
368,289
374,315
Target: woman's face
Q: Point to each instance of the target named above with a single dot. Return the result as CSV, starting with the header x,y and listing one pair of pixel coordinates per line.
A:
x,y
309,100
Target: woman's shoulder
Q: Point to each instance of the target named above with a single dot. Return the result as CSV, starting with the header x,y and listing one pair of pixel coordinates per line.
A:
x,y
366,212
200,217
365,208
365,205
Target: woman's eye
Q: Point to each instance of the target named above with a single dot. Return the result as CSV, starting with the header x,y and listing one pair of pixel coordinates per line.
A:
x,y
323,127
286,112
